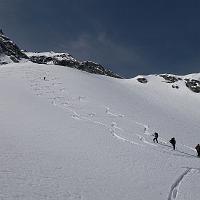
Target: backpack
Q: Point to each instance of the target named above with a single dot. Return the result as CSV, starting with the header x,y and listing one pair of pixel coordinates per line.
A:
x,y
172,141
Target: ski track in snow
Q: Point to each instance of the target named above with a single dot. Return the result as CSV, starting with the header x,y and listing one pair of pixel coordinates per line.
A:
x,y
53,89
175,187
60,101
56,97
56,101
174,191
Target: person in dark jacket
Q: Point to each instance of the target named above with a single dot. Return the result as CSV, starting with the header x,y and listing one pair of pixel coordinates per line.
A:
x,y
155,139
198,150
173,142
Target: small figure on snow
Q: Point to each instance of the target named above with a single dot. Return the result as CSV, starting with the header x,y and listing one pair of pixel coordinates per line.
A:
x,y
155,139
44,78
198,150
173,142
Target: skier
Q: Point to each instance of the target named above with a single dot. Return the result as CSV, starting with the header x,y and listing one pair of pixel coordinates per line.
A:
x,y
198,150
44,78
173,142
155,139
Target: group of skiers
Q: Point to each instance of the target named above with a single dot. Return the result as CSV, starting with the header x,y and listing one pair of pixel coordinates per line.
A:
x,y
173,143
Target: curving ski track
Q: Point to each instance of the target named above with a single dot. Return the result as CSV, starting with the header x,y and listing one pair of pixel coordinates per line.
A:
x,y
175,187
174,191
57,100
47,87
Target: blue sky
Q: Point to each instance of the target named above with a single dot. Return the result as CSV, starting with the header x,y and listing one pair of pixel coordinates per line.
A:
x,y
130,37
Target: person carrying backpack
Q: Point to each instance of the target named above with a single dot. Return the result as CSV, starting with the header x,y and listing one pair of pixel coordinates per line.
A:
x,y
155,139
198,150
173,142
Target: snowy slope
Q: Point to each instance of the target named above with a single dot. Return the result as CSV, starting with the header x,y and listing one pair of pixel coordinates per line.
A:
x,y
77,135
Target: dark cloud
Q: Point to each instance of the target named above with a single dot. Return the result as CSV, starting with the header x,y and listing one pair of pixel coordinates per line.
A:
x,y
131,37
102,49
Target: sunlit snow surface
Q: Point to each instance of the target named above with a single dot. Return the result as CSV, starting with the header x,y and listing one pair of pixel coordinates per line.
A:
x,y
82,136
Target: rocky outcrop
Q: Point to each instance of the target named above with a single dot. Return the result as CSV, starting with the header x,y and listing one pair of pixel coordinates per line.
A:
x,y
170,78
95,68
175,86
193,85
62,59
67,60
9,50
142,80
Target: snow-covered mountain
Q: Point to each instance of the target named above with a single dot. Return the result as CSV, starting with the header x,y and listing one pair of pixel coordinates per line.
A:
x,y
191,81
77,135
71,135
10,52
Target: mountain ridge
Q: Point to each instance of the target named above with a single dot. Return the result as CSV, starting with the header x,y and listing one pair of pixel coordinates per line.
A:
x,y
11,53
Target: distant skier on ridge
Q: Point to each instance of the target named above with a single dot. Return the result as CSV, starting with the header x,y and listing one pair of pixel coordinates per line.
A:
x,y
198,150
155,139
173,142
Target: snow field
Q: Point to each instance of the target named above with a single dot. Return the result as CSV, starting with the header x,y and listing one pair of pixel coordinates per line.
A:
x,y
82,136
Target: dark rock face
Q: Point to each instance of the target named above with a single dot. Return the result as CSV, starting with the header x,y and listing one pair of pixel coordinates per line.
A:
x,y
95,68
142,80
61,59
10,49
193,85
175,86
68,61
169,78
